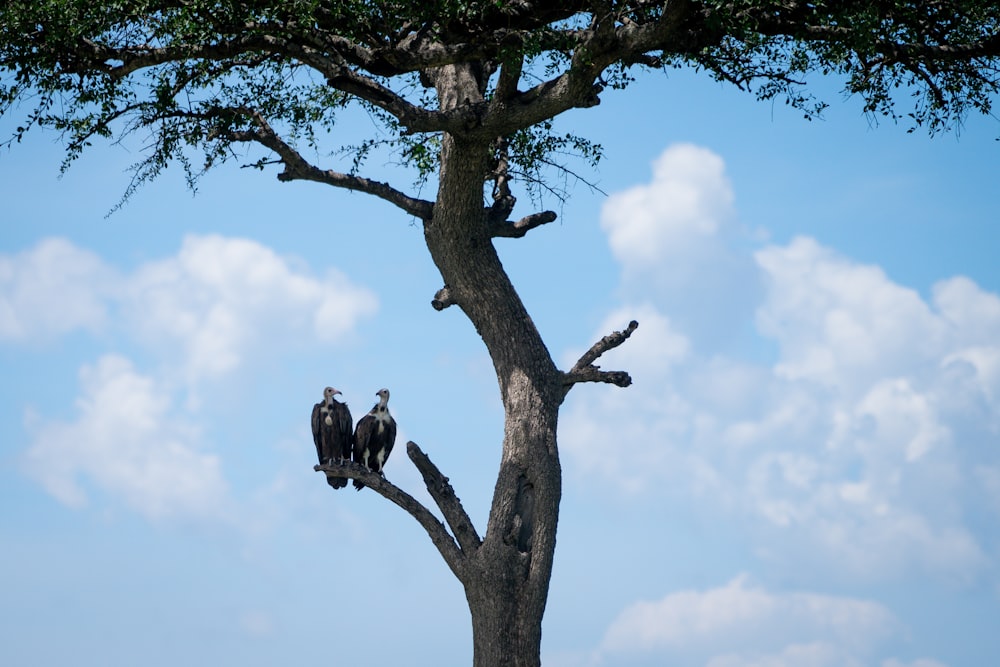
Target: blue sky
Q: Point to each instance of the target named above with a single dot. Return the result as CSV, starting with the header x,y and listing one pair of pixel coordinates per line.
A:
x,y
805,472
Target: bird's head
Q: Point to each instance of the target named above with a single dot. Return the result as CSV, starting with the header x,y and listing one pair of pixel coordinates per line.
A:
x,y
329,393
383,394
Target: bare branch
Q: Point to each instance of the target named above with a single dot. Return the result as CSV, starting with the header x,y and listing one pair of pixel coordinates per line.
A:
x,y
594,49
442,299
503,200
585,371
595,374
380,485
609,342
510,74
516,230
297,168
410,116
444,496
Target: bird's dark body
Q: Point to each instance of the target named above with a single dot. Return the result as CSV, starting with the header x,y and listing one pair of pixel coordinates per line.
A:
x,y
331,427
374,437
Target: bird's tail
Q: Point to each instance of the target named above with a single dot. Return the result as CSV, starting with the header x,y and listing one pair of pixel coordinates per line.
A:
x,y
337,482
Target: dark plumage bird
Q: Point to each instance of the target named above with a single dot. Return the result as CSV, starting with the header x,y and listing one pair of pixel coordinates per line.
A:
x,y
331,426
374,437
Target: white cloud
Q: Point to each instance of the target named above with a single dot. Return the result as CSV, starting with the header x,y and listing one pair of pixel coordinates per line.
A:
x,y
52,289
815,654
201,313
129,442
220,297
677,238
973,314
988,478
860,449
658,350
208,305
688,200
742,624
923,662
839,322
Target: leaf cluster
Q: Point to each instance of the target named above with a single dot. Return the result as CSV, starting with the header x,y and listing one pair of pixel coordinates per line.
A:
x,y
941,55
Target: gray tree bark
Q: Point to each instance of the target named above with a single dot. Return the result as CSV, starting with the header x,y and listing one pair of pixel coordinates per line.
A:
x,y
505,574
507,580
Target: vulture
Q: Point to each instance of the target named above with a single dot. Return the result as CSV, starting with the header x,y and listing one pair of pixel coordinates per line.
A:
x,y
374,436
331,426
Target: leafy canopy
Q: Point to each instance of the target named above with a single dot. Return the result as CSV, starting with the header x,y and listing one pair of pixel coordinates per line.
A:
x,y
213,74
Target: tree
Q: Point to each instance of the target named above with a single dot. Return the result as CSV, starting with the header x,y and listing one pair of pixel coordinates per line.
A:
x,y
464,94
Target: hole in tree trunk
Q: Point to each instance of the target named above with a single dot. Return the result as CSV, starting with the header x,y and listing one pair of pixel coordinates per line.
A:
x,y
526,514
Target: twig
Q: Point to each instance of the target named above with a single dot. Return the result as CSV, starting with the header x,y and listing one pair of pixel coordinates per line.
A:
x,y
585,371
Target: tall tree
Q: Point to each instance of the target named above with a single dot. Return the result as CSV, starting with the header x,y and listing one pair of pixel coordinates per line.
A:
x,y
465,93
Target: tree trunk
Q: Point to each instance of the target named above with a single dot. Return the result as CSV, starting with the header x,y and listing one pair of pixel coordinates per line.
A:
x,y
508,588
507,580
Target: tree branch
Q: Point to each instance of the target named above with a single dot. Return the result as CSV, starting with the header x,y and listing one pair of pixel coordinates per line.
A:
x,y
297,168
593,50
329,63
515,230
447,501
97,56
444,542
796,25
503,199
609,342
585,371
595,374
410,116
510,75
340,75
413,52
442,299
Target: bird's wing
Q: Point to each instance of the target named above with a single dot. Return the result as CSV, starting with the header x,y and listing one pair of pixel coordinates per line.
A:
x,y
344,434
344,415
315,423
361,436
390,437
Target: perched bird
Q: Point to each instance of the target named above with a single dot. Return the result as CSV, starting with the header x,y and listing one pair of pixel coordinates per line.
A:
x,y
331,426
374,436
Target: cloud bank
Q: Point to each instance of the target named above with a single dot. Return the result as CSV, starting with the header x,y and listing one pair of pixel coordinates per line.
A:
x,y
741,624
128,441
194,317
53,289
864,441
220,297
